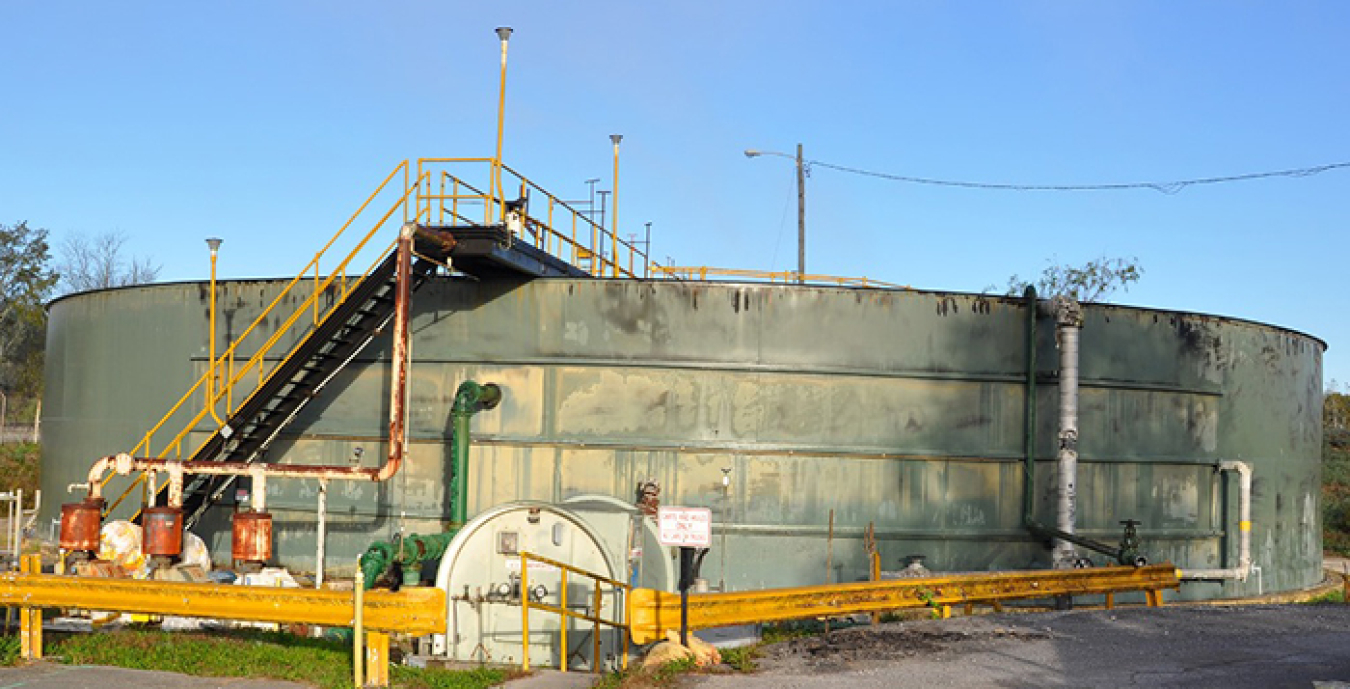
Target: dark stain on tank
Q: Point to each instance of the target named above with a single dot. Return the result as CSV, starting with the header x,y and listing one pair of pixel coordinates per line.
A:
x,y
946,304
660,402
1270,356
972,421
736,301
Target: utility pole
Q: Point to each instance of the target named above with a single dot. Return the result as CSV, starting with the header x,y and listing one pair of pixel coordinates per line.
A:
x,y
801,204
801,218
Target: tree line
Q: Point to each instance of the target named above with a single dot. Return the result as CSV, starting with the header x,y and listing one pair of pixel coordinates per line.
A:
x,y
30,277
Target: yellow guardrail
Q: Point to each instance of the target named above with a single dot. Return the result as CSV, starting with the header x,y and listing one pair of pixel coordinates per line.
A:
x,y
562,609
784,276
373,614
652,613
413,610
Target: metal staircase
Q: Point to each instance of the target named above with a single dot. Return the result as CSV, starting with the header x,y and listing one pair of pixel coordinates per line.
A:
x,y
301,377
349,309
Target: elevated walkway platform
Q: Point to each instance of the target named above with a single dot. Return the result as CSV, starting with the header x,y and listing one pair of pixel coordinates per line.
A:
x,y
494,251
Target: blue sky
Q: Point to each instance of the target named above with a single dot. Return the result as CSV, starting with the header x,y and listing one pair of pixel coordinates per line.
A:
x,y
267,123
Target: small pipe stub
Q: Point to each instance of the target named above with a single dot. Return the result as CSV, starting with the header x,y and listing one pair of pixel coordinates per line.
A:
x,y
80,524
163,532
252,537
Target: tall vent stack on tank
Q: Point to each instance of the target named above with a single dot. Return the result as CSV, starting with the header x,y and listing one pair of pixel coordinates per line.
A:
x,y
1068,321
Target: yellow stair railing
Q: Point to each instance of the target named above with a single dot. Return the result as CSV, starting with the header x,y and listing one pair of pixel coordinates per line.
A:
x,y
432,195
309,313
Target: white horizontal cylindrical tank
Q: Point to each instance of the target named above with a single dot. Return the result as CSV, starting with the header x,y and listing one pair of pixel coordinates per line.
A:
x,y
481,575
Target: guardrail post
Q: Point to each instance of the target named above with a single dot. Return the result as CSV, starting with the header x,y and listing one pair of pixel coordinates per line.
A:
x,y
30,619
595,633
358,629
562,593
377,659
524,613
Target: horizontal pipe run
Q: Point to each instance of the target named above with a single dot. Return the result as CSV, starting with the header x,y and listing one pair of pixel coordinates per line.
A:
x,y
1244,566
419,610
1010,535
210,468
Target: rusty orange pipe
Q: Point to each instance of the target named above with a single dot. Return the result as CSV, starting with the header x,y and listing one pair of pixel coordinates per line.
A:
x,y
124,463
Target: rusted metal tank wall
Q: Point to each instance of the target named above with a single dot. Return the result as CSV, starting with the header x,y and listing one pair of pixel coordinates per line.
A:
x,y
895,407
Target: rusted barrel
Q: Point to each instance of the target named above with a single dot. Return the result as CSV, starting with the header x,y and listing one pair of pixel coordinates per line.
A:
x,y
163,534
252,537
80,523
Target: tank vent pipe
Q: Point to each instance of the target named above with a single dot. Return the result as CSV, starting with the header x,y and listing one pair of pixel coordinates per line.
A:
x,y
1069,320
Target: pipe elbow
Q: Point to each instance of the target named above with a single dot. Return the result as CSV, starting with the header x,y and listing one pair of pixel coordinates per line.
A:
x,y
100,467
390,468
471,398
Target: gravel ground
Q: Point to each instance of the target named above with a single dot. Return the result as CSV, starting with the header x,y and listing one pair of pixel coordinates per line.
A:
x,y
1228,647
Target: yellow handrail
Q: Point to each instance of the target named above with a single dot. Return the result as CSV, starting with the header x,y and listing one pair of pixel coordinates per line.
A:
x,y
705,272
542,233
226,360
419,202
561,609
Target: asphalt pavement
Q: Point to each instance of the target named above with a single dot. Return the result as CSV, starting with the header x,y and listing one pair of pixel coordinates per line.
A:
x,y
1229,647
1242,647
50,675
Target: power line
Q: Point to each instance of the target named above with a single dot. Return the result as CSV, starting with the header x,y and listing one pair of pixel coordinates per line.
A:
x,y
1168,188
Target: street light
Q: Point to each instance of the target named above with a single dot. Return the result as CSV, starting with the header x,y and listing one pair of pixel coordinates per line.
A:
x,y
614,218
801,205
504,33
214,244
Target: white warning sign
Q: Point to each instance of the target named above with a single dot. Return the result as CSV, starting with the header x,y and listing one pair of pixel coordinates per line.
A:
x,y
685,526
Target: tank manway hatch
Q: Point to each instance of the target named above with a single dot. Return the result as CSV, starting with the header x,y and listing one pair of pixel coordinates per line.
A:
x,y
480,573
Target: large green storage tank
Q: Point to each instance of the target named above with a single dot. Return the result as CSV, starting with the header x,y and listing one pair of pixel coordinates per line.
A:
x,y
899,408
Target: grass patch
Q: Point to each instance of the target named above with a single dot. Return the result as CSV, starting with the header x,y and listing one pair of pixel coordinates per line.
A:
x,y
741,658
431,678
1337,596
647,678
787,631
249,653
9,650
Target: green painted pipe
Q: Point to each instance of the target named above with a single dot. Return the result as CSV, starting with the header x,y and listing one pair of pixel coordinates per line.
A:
x,y
470,399
1029,428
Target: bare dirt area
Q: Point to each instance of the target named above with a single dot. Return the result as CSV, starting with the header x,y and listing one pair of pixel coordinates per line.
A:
x,y
1229,647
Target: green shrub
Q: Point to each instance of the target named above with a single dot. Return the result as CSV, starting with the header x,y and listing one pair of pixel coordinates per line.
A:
x,y
9,650
19,466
